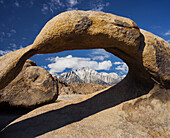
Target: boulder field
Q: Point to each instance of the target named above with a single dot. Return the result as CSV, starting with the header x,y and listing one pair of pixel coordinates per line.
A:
x,y
138,106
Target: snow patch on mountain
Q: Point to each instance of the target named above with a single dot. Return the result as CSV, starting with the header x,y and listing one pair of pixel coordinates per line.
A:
x,y
88,75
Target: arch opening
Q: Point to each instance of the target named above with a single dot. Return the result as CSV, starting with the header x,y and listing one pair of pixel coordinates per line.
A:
x,y
85,66
75,30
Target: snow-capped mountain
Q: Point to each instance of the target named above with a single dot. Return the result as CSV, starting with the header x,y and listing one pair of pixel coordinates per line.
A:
x,y
88,75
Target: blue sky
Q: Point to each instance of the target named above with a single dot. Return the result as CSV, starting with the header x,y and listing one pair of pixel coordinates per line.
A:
x,y
22,20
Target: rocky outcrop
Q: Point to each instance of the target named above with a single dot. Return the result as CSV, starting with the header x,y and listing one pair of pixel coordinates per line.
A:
x,y
98,115
33,87
77,88
156,58
87,75
108,112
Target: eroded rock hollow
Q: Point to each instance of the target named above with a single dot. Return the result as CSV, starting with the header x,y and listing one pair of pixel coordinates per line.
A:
x,y
148,58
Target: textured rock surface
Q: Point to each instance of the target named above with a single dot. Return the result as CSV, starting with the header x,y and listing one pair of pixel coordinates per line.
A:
x,y
102,114
156,58
89,29
98,115
12,63
77,88
33,87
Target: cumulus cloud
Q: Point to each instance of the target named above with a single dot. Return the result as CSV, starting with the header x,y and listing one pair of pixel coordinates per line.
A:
x,y
99,5
61,63
99,54
122,67
167,33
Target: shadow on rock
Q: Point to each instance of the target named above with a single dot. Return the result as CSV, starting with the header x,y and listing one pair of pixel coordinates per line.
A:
x,y
57,118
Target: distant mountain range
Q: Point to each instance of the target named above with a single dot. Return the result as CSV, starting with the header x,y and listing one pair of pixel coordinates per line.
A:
x,y
87,75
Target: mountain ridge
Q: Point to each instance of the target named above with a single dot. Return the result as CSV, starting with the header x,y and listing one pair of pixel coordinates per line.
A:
x,y
87,75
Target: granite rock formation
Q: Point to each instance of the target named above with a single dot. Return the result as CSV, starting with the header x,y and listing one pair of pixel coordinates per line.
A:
x,y
77,88
100,114
89,29
108,112
34,86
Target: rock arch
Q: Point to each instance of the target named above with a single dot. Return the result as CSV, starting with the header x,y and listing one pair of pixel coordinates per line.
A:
x,y
147,55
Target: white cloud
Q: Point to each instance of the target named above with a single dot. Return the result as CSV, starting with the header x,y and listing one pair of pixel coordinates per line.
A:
x,y
1,1
51,6
52,59
13,45
168,41
13,31
98,58
4,52
167,33
9,34
3,35
99,5
72,2
16,3
122,67
61,63
70,9
45,67
99,54
117,63
44,9
31,3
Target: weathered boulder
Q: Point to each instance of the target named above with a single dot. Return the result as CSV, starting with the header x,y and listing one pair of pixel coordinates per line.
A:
x,y
33,87
12,63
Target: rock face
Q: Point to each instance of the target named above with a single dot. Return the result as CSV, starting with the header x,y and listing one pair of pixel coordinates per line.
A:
x,y
158,61
78,88
98,115
33,87
87,75
108,112
70,77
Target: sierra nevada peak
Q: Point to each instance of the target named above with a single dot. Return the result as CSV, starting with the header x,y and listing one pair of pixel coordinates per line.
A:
x,y
88,75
